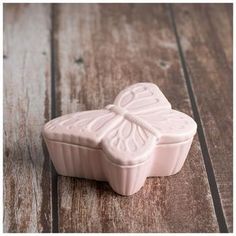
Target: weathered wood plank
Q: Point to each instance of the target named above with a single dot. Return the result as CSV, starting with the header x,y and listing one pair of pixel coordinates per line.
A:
x,y
26,108
100,50
208,29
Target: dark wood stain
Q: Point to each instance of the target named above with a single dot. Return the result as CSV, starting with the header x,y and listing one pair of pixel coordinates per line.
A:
x,y
46,195
46,182
46,102
79,61
55,44
11,202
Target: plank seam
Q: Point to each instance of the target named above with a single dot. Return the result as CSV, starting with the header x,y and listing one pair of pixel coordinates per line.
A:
x,y
54,176
205,153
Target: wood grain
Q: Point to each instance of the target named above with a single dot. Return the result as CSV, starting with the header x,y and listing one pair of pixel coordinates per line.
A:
x,y
208,30
100,49
26,64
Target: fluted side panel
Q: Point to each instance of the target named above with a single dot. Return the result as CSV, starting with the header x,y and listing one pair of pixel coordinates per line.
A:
x,y
78,161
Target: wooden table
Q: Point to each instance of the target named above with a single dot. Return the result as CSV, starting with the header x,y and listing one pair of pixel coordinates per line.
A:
x,y
65,58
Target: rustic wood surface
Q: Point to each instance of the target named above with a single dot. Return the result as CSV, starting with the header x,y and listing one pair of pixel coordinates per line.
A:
x,y
27,205
88,53
208,29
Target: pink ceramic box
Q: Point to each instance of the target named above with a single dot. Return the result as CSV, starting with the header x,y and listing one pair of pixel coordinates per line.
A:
x,y
136,137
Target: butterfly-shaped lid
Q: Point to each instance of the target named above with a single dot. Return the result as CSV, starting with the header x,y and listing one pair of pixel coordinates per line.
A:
x,y
128,130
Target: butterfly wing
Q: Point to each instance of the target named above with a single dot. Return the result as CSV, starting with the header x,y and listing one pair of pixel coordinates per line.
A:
x,y
174,126
84,128
141,98
127,143
147,102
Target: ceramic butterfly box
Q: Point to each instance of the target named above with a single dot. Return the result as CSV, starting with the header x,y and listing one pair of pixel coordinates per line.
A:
x,y
136,137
